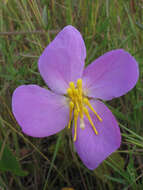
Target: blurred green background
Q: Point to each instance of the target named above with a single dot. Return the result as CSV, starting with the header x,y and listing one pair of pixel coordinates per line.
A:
x,y
26,28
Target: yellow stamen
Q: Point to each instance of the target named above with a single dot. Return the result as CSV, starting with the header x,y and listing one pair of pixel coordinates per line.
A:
x,y
75,124
72,86
90,120
86,101
80,106
70,93
71,106
75,92
77,104
79,86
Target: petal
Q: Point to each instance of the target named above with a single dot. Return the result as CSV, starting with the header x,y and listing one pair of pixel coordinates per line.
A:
x,y
111,75
63,59
38,111
92,148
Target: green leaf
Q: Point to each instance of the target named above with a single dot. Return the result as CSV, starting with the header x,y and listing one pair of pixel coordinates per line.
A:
x,y
8,161
45,16
106,169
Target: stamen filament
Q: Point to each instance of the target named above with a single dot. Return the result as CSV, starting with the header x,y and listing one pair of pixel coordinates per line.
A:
x,y
75,123
90,120
86,101
71,106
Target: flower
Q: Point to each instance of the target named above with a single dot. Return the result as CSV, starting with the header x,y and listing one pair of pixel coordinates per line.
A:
x,y
75,95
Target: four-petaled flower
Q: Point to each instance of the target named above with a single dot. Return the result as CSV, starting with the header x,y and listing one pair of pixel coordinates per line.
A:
x,y
75,95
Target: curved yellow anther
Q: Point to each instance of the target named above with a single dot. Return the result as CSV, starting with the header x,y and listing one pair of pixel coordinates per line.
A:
x,y
90,120
75,123
72,86
86,102
79,83
79,86
71,106
69,92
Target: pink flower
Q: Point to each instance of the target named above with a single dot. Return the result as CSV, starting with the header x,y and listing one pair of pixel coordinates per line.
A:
x,y
75,95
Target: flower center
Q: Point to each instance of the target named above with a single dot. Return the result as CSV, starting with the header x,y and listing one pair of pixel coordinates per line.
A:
x,y
78,106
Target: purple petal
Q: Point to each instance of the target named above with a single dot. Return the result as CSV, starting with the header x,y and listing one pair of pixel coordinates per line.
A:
x,y
38,111
63,59
92,148
111,75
